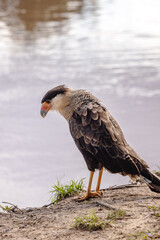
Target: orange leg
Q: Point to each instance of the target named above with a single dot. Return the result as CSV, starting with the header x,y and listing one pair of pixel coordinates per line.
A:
x,y
99,182
90,194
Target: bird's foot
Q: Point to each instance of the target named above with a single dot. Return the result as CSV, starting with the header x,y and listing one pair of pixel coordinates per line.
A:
x,y
101,193
90,195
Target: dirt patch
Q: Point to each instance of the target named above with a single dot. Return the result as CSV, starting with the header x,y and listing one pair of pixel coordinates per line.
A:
x,y
142,219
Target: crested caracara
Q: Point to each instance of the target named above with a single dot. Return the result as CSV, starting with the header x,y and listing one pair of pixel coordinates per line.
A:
x,y
98,137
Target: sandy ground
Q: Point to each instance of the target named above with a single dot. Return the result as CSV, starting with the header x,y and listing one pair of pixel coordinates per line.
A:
x,y
55,221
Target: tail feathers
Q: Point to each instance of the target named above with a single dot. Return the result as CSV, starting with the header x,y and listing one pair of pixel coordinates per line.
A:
x,y
151,179
154,187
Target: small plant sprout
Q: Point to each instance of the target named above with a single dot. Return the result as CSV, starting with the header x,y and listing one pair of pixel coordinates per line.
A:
x,y
155,210
60,191
142,235
116,214
157,172
5,208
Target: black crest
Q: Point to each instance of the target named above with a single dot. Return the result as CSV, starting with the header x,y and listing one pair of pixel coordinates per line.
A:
x,y
53,93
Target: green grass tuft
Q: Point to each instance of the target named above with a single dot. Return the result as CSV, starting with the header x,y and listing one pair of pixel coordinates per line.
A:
x,y
60,191
90,222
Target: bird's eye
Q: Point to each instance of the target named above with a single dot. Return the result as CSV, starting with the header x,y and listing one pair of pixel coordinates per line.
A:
x,y
47,101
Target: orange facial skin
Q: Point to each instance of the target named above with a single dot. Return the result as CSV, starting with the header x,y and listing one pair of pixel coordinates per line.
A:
x,y
45,108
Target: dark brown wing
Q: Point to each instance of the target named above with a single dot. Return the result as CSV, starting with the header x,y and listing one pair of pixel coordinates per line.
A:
x,y
100,139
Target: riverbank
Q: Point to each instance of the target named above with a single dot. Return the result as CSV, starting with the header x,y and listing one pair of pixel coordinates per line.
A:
x,y
141,219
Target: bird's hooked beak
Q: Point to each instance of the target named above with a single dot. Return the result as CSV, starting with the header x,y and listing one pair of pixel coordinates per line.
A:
x,y
45,108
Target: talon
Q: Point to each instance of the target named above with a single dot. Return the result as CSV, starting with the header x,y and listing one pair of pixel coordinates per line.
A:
x,y
90,195
101,193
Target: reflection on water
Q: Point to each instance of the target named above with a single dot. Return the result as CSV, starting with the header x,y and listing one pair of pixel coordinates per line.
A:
x,y
32,19
111,48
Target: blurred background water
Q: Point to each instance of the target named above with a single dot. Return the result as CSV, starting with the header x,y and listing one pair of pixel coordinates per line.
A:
x,y
109,47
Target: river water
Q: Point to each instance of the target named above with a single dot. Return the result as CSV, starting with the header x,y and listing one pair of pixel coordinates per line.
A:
x,y
109,47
